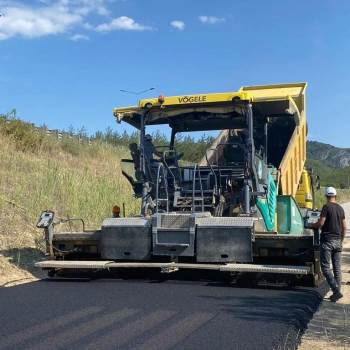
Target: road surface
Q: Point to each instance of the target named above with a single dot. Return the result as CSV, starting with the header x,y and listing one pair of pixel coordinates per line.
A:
x,y
152,314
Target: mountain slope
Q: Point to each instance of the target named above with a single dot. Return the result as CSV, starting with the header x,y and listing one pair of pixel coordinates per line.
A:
x,y
330,155
331,163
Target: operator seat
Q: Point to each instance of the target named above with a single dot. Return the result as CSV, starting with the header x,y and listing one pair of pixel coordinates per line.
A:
x,y
135,155
234,151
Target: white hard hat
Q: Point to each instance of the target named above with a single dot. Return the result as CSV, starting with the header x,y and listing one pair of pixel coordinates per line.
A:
x,y
330,191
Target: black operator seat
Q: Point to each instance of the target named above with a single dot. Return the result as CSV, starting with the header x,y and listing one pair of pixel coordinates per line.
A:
x,y
135,176
135,155
234,150
151,163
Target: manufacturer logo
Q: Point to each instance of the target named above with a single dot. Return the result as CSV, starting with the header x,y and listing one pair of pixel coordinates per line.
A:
x,y
192,99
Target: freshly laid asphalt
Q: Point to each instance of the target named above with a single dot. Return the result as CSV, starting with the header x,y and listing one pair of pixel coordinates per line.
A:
x,y
153,314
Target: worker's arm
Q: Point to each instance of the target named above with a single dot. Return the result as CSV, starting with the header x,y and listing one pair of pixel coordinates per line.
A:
x,y
343,229
319,223
321,220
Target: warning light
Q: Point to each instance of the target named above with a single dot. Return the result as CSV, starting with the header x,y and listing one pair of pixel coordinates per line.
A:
x,y
116,211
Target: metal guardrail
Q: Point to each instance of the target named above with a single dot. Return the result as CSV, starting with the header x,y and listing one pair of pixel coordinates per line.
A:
x,y
60,136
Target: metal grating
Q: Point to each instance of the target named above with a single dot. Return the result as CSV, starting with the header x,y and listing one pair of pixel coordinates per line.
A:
x,y
175,221
276,269
112,222
225,222
67,264
74,236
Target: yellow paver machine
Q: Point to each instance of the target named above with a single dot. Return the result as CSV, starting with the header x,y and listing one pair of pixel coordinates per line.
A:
x,y
244,208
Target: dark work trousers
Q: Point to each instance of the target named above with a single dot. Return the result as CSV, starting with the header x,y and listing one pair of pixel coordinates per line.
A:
x,y
331,253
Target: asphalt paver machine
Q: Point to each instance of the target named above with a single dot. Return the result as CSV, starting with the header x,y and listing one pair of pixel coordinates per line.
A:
x,y
233,211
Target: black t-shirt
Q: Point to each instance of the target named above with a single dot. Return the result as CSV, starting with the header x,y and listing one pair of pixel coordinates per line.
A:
x,y
333,225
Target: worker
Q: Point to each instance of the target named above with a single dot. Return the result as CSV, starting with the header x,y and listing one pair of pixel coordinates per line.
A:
x,y
333,227
135,155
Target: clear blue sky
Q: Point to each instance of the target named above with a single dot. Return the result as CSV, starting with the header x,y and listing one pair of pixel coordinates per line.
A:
x,y
63,62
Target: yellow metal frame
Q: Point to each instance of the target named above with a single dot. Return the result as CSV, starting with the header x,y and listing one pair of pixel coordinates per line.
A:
x,y
259,93
196,99
303,195
277,92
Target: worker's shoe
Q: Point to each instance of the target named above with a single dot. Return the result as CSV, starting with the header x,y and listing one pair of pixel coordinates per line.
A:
x,y
335,297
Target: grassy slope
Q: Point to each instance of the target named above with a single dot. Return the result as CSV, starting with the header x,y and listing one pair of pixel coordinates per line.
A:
x,y
72,179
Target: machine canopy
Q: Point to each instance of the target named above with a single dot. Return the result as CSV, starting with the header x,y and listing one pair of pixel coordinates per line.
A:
x,y
216,110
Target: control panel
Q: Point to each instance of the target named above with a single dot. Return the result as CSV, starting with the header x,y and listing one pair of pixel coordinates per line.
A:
x,y
46,219
311,217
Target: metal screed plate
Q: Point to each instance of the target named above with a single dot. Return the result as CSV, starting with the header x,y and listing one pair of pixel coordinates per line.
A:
x,y
276,269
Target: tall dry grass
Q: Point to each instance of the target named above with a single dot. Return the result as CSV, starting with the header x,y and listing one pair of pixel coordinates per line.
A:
x,y
74,180
343,196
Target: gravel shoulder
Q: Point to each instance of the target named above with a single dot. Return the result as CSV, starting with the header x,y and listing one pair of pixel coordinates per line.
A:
x,y
330,327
